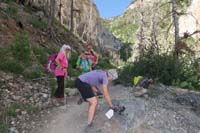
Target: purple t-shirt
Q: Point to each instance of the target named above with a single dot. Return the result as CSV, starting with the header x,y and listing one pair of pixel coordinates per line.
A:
x,y
95,78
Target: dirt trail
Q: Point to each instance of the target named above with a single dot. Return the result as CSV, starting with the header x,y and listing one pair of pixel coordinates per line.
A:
x,y
158,114
72,118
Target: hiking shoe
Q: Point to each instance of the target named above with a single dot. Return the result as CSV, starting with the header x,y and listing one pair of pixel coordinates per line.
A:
x,y
90,129
80,101
61,101
55,101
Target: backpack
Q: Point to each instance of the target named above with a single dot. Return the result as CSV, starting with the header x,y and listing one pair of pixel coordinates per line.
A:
x,y
51,64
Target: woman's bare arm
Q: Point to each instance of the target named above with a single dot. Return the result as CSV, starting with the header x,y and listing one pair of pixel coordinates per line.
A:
x,y
106,95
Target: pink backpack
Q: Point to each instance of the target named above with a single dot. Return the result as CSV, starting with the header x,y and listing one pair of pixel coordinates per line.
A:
x,y
51,64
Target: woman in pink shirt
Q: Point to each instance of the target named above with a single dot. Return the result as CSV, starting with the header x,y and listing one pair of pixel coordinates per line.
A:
x,y
92,55
61,71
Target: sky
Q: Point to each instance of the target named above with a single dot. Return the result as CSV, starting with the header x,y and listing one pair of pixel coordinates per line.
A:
x,y
111,8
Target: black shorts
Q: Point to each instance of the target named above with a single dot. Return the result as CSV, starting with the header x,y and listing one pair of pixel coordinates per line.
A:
x,y
84,88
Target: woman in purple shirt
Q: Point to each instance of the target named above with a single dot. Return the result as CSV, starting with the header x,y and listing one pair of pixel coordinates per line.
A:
x,y
86,84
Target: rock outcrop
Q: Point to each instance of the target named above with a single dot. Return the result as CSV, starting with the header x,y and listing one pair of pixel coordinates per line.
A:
x,y
86,16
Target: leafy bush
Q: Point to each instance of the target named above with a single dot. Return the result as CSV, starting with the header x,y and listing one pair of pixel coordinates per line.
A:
x,y
125,52
40,24
41,54
32,73
12,11
70,84
21,49
104,63
11,110
11,66
31,109
72,64
53,85
3,128
182,72
191,76
126,75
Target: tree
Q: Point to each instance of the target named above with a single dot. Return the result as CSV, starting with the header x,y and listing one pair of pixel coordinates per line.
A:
x,y
60,12
51,15
176,23
72,16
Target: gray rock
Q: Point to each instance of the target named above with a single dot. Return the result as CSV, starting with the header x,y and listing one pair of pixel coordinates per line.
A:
x,y
13,130
71,91
45,95
13,122
16,98
40,14
23,112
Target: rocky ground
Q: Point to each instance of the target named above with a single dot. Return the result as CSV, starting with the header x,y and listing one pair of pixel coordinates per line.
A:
x,y
26,107
24,103
164,110
20,100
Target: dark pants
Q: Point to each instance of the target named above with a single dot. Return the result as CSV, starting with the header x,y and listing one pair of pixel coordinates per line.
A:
x,y
85,89
60,90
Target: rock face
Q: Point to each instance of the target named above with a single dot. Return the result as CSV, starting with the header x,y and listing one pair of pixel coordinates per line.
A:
x,y
86,16
108,40
148,23
191,21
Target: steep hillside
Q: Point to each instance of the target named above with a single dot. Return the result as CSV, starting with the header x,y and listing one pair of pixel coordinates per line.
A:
x,y
153,17
26,41
86,16
25,44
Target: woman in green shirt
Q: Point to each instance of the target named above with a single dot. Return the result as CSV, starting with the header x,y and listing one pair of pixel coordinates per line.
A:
x,y
83,64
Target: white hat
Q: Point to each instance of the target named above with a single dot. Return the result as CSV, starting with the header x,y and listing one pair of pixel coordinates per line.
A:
x,y
64,47
113,73
67,47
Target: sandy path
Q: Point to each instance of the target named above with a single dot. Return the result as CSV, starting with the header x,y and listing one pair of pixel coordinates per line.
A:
x,y
72,118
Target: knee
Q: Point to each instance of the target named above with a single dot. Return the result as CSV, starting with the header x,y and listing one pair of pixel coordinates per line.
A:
x,y
93,102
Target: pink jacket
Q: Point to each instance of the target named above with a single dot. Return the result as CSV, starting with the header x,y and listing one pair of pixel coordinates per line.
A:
x,y
64,63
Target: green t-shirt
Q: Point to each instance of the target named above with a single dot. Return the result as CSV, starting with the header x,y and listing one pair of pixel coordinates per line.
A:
x,y
85,64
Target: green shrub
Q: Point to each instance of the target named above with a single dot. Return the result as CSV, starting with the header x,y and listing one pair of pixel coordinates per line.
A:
x,y
191,76
60,27
21,49
4,53
51,50
33,73
31,109
126,75
12,11
182,72
11,110
104,63
126,52
70,83
3,128
53,86
11,66
40,24
72,64
8,64
3,28
41,54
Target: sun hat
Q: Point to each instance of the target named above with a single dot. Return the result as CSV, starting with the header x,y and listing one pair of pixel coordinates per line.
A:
x,y
113,73
67,47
